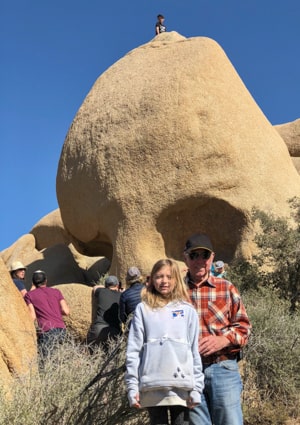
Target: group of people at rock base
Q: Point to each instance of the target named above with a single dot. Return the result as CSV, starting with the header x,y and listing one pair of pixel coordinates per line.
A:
x,y
46,306
185,338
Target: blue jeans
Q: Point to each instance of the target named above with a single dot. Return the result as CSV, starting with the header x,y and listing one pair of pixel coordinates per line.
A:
x,y
49,341
221,399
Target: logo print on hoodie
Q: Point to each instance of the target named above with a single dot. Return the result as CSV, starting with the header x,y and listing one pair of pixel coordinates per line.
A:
x,y
177,313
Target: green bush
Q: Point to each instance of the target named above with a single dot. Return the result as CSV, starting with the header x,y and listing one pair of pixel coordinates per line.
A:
x,y
277,263
270,285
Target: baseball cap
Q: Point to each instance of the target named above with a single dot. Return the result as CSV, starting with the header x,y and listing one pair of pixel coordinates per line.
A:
x,y
38,277
219,264
133,273
198,241
111,281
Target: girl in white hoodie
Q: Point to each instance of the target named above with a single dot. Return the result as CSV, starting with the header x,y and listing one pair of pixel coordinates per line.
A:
x,y
164,370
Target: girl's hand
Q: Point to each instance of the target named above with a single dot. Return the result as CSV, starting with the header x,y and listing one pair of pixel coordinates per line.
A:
x,y
190,404
137,404
193,400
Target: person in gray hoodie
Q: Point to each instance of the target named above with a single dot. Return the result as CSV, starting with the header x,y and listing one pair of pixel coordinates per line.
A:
x,y
163,365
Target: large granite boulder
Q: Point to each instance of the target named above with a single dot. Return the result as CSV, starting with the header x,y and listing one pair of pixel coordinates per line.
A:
x,y
22,250
80,300
18,352
290,132
50,231
169,142
62,263
57,261
296,162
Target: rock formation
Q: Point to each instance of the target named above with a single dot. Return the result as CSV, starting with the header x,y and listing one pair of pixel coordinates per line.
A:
x,y
290,132
17,332
80,301
57,261
62,263
169,142
50,231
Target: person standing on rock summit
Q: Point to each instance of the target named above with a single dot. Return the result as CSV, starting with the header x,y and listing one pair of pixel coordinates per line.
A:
x,y
159,26
224,330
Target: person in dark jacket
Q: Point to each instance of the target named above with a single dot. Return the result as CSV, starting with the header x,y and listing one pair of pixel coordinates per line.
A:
x,y
132,296
106,324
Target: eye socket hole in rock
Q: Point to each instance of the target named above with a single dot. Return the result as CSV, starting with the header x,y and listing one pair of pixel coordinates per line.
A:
x,y
95,248
223,223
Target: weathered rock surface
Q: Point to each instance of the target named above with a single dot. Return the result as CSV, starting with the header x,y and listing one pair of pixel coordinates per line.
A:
x,y
80,300
169,142
17,332
62,263
23,250
57,261
20,250
290,132
296,162
50,231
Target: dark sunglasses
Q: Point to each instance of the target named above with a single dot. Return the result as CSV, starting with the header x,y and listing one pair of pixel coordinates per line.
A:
x,y
203,255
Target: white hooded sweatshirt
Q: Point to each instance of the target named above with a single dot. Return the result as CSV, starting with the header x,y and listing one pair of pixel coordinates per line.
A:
x,y
163,362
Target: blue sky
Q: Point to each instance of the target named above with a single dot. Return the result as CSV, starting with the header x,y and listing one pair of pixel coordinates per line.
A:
x,y
52,52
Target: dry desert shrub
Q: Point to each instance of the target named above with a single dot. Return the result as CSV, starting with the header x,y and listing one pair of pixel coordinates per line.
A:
x,y
272,361
73,387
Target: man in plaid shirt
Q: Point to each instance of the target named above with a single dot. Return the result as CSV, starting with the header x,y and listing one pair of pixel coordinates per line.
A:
x,y
224,330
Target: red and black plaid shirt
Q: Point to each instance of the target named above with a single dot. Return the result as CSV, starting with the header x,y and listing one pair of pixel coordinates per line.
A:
x,y
221,311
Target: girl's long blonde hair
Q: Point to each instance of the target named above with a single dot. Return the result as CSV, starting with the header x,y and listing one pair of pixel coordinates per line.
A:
x,y
153,298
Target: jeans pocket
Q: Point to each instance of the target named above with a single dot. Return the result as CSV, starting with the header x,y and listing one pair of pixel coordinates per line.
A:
x,y
229,365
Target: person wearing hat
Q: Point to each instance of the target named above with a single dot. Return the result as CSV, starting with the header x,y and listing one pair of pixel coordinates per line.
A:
x,y
224,330
17,272
47,307
106,324
218,269
132,296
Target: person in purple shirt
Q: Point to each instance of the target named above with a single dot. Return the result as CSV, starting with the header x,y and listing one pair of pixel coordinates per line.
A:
x,y
47,307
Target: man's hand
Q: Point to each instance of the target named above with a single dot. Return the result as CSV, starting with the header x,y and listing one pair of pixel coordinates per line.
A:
x,y
212,343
